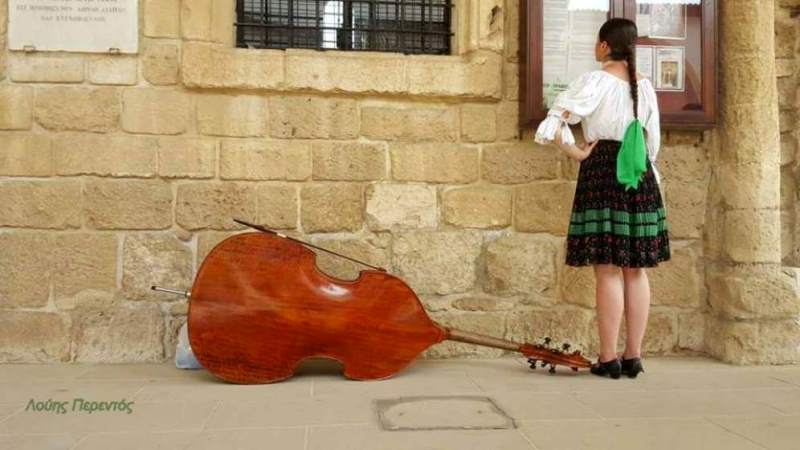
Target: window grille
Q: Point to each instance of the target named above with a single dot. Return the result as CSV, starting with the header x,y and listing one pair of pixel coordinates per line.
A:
x,y
407,26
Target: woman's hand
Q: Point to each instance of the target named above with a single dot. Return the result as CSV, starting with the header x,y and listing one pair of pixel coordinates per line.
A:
x,y
573,151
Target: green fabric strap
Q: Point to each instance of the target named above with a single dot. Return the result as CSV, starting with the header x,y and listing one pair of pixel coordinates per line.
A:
x,y
632,156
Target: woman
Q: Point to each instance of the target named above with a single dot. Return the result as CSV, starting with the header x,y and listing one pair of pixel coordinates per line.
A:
x,y
618,222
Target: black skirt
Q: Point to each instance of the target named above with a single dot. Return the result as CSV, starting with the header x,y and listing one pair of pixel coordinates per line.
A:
x,y
610,225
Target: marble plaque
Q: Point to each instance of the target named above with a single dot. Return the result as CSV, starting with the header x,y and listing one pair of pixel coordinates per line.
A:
x,y
74,25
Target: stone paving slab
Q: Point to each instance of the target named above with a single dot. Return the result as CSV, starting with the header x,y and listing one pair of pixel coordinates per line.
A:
x,y
686,403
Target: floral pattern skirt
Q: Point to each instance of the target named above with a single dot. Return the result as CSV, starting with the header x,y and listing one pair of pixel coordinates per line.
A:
x,y
609,225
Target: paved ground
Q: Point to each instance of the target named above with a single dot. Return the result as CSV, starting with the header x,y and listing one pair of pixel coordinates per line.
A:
x,y
677,404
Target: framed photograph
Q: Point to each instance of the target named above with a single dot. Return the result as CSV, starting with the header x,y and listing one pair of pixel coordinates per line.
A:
x,y
669,68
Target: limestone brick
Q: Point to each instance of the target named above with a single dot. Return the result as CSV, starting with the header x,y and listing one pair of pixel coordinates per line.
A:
x,y
345,71
16,107
187,157
437,262
162,18
524,265
265,160
479,206
544,207
478,123
161,63
40,204
120,335
155,111
128,204
33,336
409,123
83,261
25,269
114,70
434,163
211,66
277,206
214,205
511,163
232,115
348,161
332,207
92,154
77,108
398,206
154,259
26,155
309,117
41,68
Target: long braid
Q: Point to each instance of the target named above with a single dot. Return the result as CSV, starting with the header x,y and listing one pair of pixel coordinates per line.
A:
x,y
630,58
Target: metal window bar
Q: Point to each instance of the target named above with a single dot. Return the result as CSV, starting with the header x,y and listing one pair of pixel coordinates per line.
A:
x,y
407,26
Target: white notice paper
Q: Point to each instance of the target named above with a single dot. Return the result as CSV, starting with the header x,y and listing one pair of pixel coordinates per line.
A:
x,y
74,25
569,39
644,61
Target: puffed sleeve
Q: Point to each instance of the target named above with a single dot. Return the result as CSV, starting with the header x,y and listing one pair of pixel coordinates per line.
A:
x,y
652,125
580,99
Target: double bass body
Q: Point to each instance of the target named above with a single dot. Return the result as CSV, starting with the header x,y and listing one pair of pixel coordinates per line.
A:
x,y
259,306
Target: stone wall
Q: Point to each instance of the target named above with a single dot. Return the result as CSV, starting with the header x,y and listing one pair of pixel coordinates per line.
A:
x,y
118,172
786,64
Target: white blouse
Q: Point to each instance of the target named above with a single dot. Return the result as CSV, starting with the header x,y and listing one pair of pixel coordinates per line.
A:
x,y
602,103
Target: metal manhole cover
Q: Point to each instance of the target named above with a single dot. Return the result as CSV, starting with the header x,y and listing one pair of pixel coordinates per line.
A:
x,y
442,413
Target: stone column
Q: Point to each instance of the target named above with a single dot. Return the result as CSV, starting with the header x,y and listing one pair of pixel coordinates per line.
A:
x,y
754,303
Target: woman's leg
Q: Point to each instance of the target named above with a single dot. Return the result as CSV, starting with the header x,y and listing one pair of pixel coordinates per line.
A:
x,y
637,309
610,303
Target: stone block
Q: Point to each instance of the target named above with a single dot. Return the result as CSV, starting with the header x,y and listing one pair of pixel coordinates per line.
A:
x,y
25,269
753,291
475,75
351,72
348,161
679,281
277,206
29,155
478,123
161,63
122,335
409,123
752,235
16,108
544,207
114,70
155,111
187,157
232,115
214,205
523,265
332,207
162,18
212,66
128,204
308,117
33,337
78,108
117,156
396,206
265,160
512,163
481,206
40,204
437,262
154,259
41,68
83,261
434,163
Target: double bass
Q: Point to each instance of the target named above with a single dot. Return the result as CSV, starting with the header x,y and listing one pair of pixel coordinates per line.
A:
x,y
259,306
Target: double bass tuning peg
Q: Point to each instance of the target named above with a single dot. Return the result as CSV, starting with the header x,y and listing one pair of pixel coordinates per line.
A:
x,y
532,363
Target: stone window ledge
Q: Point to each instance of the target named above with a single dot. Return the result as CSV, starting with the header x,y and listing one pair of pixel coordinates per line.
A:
x,y
476,75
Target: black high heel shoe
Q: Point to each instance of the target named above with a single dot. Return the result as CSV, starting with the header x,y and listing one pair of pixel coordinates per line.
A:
x,y
611,368
632,367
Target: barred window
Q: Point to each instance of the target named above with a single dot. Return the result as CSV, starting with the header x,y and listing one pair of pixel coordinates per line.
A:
x,y
407,26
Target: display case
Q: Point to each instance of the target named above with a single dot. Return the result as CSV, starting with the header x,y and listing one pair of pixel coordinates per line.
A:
x,y
676,49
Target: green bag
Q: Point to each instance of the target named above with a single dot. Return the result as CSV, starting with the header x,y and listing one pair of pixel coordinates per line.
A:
x,y
632,156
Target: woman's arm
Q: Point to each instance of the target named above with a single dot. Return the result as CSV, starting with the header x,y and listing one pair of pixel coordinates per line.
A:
x,y
573,151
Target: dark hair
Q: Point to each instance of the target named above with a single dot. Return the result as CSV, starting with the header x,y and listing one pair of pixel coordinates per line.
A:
x,y
620,34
